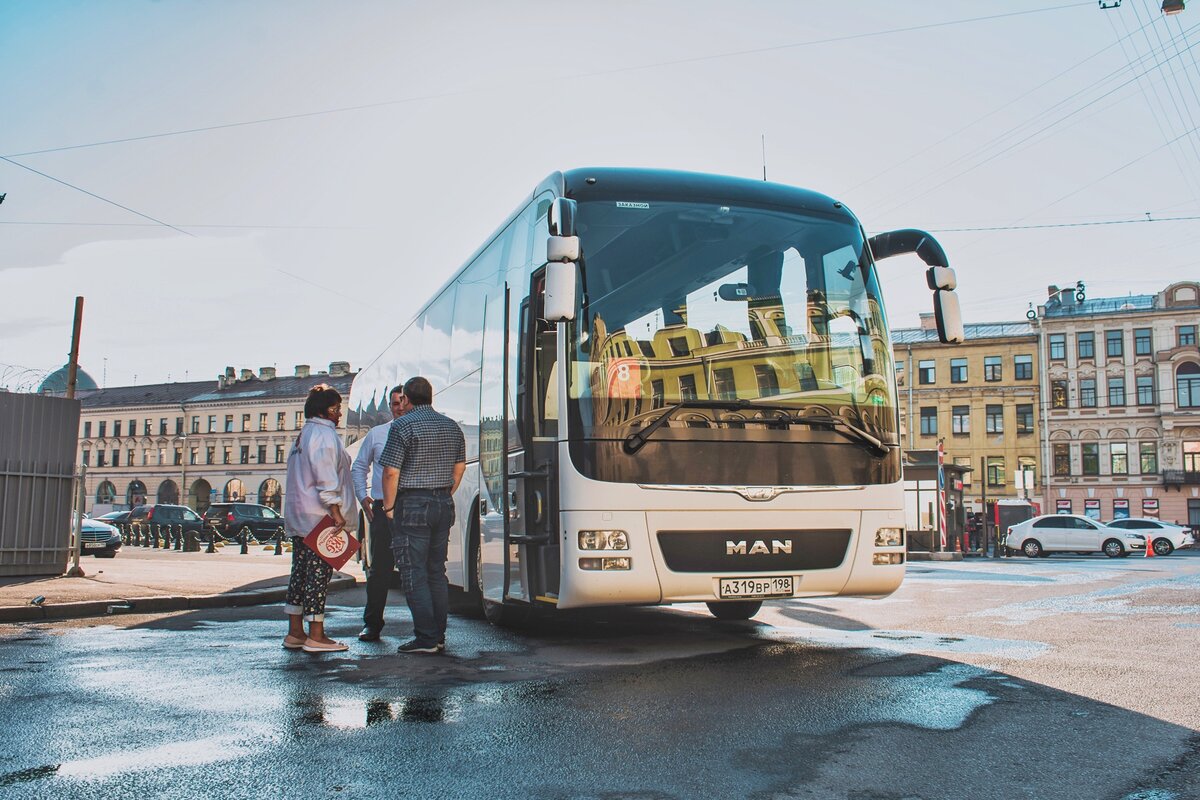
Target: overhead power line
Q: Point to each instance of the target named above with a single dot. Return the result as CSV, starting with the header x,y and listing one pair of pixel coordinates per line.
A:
x,y
1066,224
577,76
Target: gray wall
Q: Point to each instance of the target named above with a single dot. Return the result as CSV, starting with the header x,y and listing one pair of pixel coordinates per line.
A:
x,y
38,436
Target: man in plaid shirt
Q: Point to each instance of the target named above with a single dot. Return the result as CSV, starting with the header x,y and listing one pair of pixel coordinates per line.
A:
x,y
423,463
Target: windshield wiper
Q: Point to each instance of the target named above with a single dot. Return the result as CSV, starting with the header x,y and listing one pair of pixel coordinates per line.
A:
x,y
637,440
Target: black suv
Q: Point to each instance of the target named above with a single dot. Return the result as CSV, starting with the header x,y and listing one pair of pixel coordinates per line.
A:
x,y
240,521
148,516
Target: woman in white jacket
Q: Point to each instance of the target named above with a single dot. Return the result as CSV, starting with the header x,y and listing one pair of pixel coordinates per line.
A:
x,y
318,484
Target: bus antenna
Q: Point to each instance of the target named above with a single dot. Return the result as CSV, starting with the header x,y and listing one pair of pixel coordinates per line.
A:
x,y
764,155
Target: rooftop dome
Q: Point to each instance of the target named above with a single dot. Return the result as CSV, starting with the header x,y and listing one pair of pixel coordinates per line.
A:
x,y
56,382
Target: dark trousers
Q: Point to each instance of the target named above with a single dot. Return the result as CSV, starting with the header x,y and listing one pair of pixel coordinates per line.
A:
x,y
421,531
379,568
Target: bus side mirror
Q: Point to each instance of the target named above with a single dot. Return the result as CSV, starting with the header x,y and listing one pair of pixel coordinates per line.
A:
x,y
948,315
559,302
941,278
561,217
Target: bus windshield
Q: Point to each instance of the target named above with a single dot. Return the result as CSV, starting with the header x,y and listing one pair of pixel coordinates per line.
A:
x,y
766,313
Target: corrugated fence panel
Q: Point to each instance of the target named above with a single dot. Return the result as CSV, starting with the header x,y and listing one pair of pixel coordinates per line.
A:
x,y
38,438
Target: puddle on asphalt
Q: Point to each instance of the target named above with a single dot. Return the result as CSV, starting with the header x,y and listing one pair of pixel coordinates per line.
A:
x,y
912,642
1113,602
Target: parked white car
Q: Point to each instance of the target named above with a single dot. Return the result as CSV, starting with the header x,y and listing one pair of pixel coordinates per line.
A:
x,y
1068,533
1166,537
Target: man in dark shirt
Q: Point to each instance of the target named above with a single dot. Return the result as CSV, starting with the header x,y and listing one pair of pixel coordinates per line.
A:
x,y
423,463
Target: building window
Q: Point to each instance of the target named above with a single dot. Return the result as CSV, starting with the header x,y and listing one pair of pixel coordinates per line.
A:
x,y
116,458
194,455
262,454
995,419
195,424
1114,344
679,346
179,426
1119,458
768,381
262,421
995,470
964,461
1025,418
212,423
929,420
87,430
657,394
103,429
926,372
178,456
278,454
960,419
1023,368
245,422
1116,392
210,455
227,455
1186,335
1058,394
1028,466
281,421
1145,390
129,458
146,427
117,428
1058,346
133,427
145,458
245,454
993,368
229,423
1191,456
300,414
1148,456
958,370
101,458
1091,458
723,386
1087,393
1143,342
1085,344
1187,385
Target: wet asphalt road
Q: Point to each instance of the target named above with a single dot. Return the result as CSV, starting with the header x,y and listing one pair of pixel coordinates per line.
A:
x,y
1057,678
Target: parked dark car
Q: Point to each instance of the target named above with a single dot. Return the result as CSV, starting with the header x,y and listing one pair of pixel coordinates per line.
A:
x,y
238,521
118,519
153,514
100,539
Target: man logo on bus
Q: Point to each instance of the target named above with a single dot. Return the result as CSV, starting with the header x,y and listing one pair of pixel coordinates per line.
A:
x,y
758,547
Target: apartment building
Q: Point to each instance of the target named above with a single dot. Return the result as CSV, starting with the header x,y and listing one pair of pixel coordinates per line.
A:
x,y
1122,394
979,397
208,441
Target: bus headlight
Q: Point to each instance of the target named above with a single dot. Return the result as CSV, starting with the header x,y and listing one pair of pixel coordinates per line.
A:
x,y
887,558
606,564
603,540
889,537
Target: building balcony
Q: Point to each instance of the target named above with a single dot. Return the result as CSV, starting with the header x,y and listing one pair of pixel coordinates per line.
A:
x,y
1179,477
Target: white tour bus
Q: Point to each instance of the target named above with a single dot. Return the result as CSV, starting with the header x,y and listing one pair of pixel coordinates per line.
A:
x,y
674,388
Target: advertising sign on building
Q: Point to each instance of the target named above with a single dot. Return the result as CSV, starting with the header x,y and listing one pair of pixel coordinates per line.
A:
x,y
1062,506
1150,507
1091,508
1121,508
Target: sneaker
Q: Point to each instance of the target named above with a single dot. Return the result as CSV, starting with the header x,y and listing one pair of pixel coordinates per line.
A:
x,y
368,635
416,647
441,647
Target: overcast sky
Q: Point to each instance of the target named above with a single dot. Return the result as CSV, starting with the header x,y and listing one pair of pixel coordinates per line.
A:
x,y
312,171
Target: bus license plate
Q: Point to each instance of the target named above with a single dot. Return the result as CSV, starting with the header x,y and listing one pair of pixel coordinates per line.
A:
x,y
780,586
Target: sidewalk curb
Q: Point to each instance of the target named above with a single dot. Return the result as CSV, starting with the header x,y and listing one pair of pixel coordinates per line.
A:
x,y
924,555
156,604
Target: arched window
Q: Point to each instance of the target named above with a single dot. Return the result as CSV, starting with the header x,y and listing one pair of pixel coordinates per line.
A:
x,y
269,494
235,490
1187,385
106,493
200,497
168,492
135,494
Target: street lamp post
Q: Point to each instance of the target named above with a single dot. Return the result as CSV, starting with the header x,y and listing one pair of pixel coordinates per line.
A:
x,y
182,439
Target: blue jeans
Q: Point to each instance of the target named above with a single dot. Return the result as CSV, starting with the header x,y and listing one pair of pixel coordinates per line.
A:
x,y
421,531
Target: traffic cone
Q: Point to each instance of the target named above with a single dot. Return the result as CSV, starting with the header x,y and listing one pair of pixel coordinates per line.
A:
x,y
1149,547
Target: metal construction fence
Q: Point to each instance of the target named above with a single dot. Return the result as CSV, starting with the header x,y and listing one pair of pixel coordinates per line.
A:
x,y
38,439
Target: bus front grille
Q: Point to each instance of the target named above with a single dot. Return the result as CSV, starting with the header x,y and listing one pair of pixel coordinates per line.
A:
x,y
753,551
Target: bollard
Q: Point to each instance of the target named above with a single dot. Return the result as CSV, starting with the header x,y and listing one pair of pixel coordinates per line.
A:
x,y
154,532
179,538
279,541
212,541
245,542
189,542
